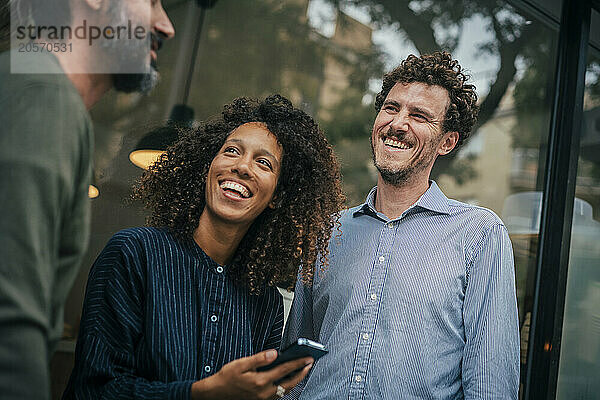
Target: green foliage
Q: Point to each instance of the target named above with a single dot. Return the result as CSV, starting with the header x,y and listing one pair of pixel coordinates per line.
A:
x,y
532,94
257,47
254,48
350,118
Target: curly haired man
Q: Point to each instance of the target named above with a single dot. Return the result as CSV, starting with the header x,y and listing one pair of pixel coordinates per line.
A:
x,y
418,301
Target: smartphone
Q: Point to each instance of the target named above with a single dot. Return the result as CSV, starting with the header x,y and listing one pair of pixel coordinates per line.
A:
x,y
301,348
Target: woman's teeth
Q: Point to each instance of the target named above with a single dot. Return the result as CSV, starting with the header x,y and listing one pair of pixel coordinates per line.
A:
x,y
236,187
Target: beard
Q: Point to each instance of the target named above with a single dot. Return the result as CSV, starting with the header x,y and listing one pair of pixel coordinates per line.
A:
x,y
403,173
135,72
141,82
394,177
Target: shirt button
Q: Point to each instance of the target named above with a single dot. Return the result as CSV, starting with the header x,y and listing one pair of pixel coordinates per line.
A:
x,y
390,225
219,269
358,378
207,368
365,336
213,318
373,296
381,259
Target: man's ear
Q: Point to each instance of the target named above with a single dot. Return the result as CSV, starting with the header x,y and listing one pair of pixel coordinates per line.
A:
x,y
448,143
271,204
94,4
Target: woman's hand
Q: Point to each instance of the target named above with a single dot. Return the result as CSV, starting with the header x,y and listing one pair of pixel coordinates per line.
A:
x,y
240,380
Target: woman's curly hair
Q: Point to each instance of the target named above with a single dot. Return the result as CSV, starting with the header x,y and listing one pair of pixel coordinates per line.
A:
x,y
308,196
438,69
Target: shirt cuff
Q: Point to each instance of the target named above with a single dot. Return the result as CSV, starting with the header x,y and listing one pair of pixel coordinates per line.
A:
x,y
181,390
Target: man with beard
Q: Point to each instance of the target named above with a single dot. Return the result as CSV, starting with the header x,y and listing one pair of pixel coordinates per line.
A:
x,y
46,149
418,300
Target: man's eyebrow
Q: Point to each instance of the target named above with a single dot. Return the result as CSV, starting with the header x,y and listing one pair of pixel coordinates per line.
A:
x,y
422,111
391,103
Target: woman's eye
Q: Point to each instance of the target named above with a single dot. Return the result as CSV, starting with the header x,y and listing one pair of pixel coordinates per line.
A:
x,y
231,150
265,163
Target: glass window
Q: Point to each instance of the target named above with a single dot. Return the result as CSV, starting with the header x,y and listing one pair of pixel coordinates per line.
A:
x,y
330,61
579,368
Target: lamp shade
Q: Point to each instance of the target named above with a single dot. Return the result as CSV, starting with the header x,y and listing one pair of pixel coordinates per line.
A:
x,y
93,192
154,143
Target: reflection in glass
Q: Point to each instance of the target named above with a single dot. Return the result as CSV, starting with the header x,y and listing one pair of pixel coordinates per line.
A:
x,y
579,368
256,47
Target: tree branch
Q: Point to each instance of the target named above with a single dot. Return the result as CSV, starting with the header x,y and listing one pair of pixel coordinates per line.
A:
x,y
417,28
508,52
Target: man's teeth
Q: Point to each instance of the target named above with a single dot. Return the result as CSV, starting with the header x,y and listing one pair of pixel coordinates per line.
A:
x,y
396,143
236,187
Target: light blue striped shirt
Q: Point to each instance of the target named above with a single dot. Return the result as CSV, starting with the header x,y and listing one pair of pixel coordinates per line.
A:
x,y
419,307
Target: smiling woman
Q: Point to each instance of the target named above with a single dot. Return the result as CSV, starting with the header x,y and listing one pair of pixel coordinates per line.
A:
x,y
241,180
188,306
295,230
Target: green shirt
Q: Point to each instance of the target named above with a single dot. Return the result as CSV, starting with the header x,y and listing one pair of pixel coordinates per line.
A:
x,y
46,145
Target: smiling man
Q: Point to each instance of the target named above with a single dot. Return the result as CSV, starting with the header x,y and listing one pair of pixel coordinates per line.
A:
x,y
418,301
48,82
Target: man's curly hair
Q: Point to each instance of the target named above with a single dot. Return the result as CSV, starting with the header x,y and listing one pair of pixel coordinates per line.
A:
x,y
438,69
308,196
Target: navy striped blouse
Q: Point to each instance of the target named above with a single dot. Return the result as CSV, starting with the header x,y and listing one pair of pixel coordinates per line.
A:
x,y
159,314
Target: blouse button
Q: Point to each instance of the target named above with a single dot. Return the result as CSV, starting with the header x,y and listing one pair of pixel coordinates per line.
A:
x,y
213,318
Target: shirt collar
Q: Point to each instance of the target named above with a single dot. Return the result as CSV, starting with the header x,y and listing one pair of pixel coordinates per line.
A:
x,y
433,199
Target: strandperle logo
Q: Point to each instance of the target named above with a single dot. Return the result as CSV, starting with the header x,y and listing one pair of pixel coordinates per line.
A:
x,y
130,31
